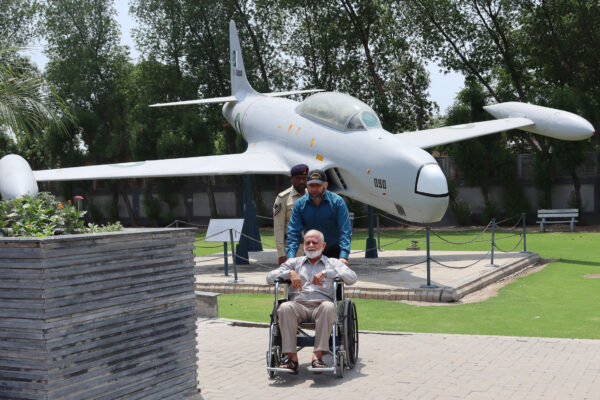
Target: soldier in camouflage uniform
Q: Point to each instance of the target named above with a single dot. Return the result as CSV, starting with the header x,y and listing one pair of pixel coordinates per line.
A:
x,y
282,209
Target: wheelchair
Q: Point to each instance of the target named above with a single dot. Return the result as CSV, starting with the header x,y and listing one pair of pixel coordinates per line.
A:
x,y
343,343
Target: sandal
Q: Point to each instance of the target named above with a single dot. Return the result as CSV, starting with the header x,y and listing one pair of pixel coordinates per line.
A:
x,y
290,364
316,363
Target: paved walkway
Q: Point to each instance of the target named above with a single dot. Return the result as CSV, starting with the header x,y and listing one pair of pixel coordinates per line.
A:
x,y
395,275
232,365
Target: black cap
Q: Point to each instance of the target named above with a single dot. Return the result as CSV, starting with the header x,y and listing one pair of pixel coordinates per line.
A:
x,y
316,176
300,169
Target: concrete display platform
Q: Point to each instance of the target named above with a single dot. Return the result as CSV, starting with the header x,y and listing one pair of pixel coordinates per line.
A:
x,y
394,275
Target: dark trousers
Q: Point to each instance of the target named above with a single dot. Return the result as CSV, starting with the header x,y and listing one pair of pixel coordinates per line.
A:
x,y
332,251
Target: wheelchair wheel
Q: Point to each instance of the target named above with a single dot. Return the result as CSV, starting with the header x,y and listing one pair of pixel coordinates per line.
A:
x,y
340,365
275,359
350,333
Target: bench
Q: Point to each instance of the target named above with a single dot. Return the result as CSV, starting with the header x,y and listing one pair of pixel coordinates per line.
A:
x,y
563,216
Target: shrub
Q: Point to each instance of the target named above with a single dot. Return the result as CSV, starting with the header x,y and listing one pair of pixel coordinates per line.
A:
x,y
462,213
41,215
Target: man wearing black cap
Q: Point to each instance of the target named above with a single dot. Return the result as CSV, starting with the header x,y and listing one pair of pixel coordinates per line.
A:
x,y
282,209
324,211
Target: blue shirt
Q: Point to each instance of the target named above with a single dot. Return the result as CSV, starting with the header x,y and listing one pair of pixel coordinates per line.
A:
x,y
330,217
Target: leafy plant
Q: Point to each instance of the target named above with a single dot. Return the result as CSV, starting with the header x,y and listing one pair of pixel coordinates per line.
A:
x,y
43,215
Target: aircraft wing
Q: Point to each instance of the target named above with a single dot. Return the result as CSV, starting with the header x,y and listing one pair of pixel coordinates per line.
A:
x,y
449,134
231,164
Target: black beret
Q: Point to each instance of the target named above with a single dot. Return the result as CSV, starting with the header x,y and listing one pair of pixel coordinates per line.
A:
x,y
300,169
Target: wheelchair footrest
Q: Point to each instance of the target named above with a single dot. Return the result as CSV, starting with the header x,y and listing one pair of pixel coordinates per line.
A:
x,y
319,370
277,369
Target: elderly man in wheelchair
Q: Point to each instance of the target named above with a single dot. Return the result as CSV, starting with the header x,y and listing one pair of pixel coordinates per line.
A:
x,y
315,295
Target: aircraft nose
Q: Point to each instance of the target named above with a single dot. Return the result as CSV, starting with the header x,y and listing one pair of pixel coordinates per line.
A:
x,y
431,181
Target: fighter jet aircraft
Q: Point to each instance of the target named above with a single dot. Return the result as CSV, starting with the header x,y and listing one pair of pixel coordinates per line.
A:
x,y
331,131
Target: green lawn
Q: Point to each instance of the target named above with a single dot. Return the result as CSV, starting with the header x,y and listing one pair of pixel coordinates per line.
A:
x,y
555,302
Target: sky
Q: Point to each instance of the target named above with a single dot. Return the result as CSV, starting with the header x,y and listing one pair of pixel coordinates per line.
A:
x,y
442,89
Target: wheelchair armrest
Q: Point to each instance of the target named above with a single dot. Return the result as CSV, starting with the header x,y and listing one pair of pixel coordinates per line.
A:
x,y
283,280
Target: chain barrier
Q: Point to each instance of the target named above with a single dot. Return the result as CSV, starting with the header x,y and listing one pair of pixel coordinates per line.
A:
x,y
210,259
256,241
250,262
505,251
394,220
178,221
218,233
461,243
407,236
507,219
464,266
210,247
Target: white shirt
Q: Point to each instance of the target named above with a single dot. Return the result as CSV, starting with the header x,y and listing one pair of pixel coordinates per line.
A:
x,y
332,267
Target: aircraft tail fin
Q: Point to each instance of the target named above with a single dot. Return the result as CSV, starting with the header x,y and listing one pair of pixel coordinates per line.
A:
x,y
240,87
239,81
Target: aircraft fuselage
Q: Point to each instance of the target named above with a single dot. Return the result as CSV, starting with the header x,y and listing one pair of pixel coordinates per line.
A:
x,y
372,166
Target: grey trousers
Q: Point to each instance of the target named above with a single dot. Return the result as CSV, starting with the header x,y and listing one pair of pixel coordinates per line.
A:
x,y
292,313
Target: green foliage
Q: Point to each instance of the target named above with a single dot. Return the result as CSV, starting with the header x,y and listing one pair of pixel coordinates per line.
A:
x,y
40,215
152,208
461,211
94,228
95,213
43,215
28,107
17,21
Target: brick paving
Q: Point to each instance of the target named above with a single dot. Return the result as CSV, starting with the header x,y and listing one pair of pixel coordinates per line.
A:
x,y
232,365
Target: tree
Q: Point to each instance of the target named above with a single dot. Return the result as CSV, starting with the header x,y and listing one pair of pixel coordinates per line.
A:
x,y
17,21
29,108
485,160
519,50
90,71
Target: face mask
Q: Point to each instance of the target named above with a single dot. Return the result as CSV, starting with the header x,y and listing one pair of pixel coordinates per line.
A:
x,y
313,254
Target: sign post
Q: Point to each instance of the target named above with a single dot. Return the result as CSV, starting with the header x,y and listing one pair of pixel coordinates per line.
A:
x,y
224,230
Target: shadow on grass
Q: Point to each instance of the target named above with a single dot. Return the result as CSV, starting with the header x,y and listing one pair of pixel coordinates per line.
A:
x,y
579,262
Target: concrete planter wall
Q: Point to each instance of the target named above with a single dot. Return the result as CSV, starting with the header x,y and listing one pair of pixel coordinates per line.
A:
x,y
103,316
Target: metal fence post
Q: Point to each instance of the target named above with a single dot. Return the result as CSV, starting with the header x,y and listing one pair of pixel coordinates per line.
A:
x,y
225,256
493,243
370,247
235,279
524,234
378,234
428,285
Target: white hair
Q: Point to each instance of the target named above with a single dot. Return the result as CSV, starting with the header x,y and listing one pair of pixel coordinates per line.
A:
x,y
313,231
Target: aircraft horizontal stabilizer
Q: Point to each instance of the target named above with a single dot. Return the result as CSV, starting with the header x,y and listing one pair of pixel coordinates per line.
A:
x,y
253,162
291,92
232,98
199,101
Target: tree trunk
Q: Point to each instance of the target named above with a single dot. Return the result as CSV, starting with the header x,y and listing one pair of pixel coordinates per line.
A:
x,y
577,190
212,204
123,191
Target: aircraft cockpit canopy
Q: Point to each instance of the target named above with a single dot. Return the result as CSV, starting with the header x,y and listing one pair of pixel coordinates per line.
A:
x,y
339,111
